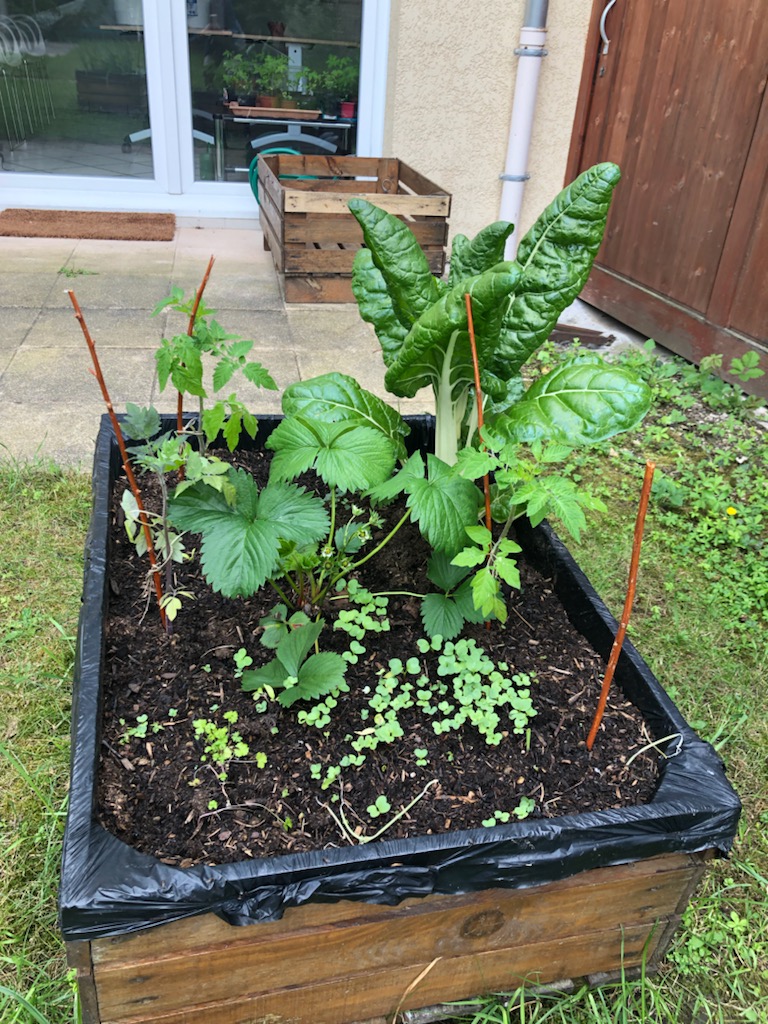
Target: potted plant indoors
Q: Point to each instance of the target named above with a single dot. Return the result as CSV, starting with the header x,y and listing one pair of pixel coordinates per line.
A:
x,y
274,77
336,86
238,72
342,742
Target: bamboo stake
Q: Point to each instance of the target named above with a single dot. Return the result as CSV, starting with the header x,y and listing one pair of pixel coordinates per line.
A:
x,y
479,399
631,586
124,454
479,403
190,332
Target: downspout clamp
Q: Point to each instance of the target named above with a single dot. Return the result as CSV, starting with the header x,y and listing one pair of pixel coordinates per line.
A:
x,y
529,54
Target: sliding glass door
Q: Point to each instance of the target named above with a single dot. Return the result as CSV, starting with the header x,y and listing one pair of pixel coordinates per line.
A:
x,y
268,74
73,89
163,104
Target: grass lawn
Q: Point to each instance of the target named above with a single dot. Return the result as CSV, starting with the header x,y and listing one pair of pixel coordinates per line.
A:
x,y
700,619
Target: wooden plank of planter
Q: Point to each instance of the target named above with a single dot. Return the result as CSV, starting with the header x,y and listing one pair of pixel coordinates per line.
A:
x,y
314,288
324,202
269,185
418,184
312,227
324,166
273,244
79,957
320,261
270,217
369,954
344,186
379,992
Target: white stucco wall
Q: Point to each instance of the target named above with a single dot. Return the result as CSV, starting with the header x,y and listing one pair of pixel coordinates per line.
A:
x,y
450,90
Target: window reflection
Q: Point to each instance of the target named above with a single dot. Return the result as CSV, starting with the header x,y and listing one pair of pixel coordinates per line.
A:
x,y
270,75
73,88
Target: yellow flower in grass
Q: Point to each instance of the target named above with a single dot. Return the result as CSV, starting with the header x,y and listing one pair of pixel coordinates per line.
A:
x,y
731,511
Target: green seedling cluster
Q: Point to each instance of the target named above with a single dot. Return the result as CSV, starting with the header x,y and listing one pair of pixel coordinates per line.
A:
x,y
221,744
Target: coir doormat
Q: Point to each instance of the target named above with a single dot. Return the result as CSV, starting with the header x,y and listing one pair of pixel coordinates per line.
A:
x,y
132,227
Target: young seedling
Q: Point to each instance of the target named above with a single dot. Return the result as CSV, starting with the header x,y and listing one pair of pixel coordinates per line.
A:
x,y
181,360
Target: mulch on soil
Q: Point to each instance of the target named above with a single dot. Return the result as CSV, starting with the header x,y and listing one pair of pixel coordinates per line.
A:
x,y
155,793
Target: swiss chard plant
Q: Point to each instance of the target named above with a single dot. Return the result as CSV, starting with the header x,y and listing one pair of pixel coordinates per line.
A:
x,y
422,322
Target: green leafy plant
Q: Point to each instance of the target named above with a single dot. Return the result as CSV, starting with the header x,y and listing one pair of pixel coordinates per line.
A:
x,y
182,359
291,671
221,744
335,82
524,485
239,71
422,322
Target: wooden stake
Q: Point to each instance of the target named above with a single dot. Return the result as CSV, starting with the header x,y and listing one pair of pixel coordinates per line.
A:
x,y
631,586
124,454
190,332
479,399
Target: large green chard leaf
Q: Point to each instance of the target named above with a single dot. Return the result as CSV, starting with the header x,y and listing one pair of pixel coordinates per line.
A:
x,y
335,397
375,305
241,542
580,402
555,258
484,251
399,258
437,351
346,456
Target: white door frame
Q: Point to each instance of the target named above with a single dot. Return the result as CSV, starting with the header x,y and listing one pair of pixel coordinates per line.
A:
x,y
173,188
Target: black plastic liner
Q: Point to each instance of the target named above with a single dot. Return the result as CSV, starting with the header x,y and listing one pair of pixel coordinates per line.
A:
x,y
108,889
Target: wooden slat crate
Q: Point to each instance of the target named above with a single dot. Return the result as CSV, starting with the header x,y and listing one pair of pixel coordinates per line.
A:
x,y
311,233
344,962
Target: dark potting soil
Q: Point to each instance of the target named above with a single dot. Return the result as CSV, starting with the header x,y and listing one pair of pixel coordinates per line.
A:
x,y
158,793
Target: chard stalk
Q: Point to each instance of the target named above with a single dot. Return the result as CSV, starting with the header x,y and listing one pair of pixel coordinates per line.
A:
x,y
446,437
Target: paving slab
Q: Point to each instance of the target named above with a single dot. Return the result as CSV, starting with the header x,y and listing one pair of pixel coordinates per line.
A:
x,y
60,432
27,290
15,325
109,328
124,259
42,377
99,290
227,289
35,255
268,329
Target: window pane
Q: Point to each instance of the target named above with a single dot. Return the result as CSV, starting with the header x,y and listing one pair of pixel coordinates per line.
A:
x,y
293,65
73,88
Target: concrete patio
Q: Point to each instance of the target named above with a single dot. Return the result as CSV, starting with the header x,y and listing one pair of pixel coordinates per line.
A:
x,y
50,404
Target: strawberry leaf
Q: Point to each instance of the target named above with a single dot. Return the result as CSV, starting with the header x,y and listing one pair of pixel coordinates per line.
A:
x,y
241,542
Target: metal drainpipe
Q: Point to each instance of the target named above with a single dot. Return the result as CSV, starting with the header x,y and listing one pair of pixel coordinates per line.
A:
x,y
530,53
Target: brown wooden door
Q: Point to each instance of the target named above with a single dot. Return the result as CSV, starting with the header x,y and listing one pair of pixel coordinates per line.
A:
x,y
679,102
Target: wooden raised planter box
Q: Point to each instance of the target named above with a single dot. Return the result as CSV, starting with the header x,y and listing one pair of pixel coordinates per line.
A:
x,y
311,233
467,913
347,962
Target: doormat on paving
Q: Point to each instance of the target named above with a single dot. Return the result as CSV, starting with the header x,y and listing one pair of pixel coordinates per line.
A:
x,y
131,227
